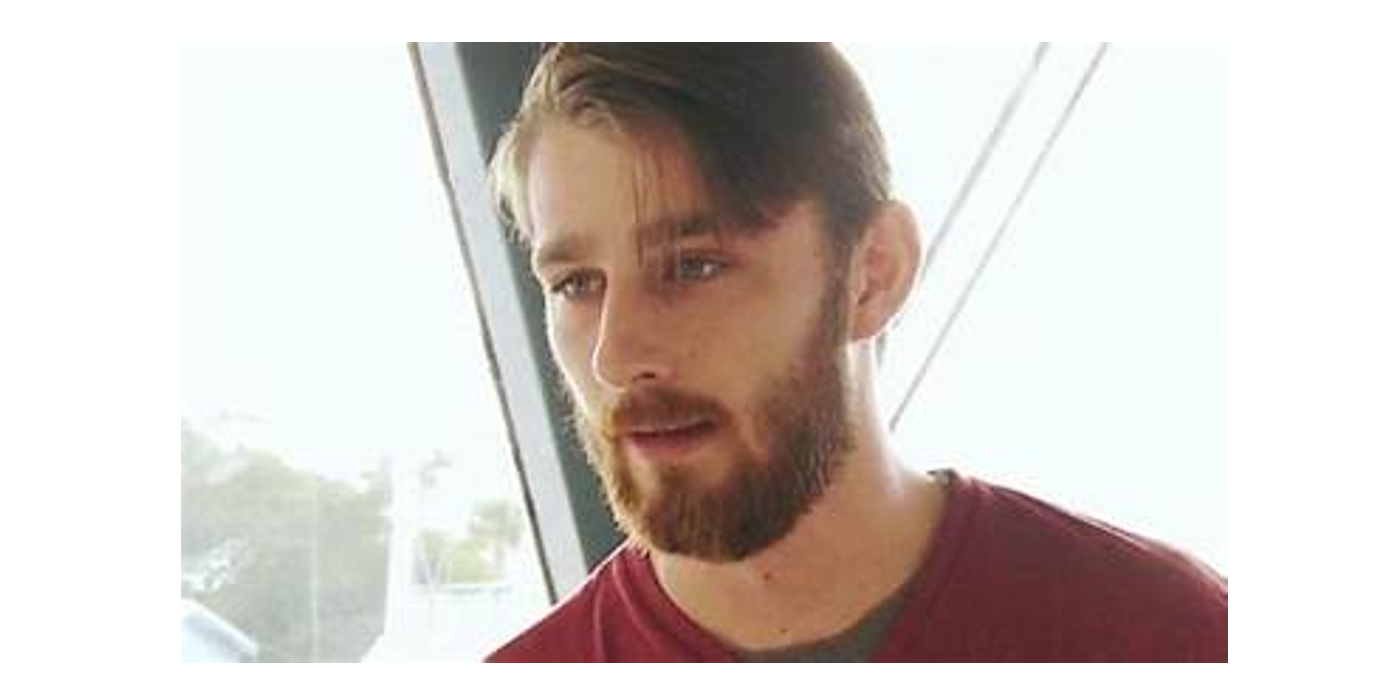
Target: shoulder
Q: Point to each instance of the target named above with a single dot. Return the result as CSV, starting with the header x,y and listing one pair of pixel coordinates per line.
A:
x,y
568,632
1100,584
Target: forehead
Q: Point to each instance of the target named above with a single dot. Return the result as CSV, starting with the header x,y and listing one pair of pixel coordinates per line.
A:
x,y
597,179
595,193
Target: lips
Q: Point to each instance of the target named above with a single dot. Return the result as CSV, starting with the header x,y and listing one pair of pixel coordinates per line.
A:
x,y
669,441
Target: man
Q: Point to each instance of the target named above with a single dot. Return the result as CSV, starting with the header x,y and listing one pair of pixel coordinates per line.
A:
x,y
713,231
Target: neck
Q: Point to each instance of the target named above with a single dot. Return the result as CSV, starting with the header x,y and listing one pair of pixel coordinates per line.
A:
x,y
859,544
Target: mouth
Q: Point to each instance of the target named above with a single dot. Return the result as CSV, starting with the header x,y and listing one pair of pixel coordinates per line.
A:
x,y
671,441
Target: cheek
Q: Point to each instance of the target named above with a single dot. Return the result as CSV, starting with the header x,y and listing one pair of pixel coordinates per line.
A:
x,y
571,342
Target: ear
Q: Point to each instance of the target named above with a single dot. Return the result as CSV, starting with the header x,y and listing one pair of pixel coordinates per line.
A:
x,y
884,266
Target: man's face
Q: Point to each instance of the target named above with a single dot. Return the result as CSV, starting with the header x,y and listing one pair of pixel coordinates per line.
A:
x,y
704,368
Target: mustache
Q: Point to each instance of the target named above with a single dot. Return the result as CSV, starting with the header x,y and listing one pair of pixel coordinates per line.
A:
x,y
653,406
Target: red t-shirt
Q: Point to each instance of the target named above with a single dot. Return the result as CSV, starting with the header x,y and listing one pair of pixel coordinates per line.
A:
x,y
1011,578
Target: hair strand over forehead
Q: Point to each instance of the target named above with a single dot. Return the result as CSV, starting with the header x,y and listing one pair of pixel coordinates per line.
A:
x,y
763,124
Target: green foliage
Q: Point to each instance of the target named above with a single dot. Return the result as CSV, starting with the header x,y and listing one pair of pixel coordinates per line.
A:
x,y
291,552
298,561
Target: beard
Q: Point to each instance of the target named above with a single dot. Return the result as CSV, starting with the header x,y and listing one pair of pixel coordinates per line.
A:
x,y
760,493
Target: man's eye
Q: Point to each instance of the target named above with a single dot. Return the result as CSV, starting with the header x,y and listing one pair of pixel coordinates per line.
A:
x,y
576,285
696,268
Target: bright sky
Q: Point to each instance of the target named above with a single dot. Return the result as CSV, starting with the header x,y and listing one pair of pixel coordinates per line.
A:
x,y
326,312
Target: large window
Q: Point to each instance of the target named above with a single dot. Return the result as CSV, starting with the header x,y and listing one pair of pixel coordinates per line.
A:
x,y
1087,365
348,488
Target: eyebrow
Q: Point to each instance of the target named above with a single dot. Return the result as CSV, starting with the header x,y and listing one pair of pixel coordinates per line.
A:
x,y
571,245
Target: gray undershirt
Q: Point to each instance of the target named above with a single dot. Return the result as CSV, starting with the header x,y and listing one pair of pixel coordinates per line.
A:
x,y
857,643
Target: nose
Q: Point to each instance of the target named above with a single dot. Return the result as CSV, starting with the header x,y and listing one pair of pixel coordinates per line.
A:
x,y
632,345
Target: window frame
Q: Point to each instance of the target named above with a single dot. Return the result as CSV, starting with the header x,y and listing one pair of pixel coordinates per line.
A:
x,y
470,92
